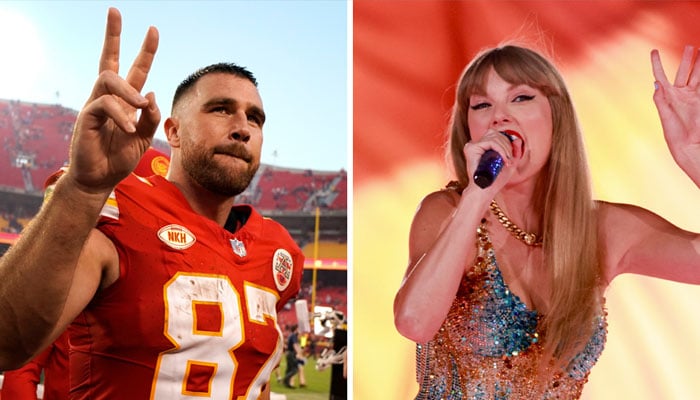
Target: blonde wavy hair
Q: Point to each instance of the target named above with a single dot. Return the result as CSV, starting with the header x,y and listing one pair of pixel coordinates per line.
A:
x,y
563,194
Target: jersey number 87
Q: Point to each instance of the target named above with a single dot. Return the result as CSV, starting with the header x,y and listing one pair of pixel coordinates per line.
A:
x,y
202,364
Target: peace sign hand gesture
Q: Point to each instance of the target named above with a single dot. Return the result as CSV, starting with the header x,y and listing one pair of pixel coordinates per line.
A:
x,y
109,138
679,109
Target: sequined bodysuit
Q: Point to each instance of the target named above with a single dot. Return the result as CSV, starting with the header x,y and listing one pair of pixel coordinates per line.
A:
x,y
489,345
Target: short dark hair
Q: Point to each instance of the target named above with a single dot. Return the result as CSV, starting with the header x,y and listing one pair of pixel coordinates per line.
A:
x,y
223,67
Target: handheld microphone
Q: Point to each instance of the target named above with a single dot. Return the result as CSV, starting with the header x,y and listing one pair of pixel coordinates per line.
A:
x,y
491,163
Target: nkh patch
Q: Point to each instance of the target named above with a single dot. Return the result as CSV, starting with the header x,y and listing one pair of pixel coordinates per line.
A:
x,y
176,236
238,247
282,267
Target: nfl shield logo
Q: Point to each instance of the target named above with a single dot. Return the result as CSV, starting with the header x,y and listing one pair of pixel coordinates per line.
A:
x,y
238,247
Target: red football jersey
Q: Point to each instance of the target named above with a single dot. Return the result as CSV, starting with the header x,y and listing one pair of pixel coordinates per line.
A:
x,y
194,312
21,384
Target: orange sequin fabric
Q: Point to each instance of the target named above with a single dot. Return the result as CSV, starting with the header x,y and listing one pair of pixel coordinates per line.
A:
x,y
489,346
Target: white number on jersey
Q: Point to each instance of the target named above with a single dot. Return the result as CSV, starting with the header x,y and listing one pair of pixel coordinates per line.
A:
x,y
202,364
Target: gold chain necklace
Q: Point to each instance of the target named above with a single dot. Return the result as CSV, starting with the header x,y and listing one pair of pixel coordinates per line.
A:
x,y
528,238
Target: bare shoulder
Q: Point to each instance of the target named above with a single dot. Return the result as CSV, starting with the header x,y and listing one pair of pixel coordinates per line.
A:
x,y
632,237
616,223
437,206
432,215
613,236
615,217
608,213
444,198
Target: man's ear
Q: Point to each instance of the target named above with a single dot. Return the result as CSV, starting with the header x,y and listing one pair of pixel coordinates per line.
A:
x,y
171,128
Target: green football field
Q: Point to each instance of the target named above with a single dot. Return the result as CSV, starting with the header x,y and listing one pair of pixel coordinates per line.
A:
x,y
318,384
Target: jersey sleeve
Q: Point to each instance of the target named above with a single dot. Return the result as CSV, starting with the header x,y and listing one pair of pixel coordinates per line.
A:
x,y
21,383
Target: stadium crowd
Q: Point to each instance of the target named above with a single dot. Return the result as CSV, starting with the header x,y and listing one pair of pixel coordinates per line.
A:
x,y
35,140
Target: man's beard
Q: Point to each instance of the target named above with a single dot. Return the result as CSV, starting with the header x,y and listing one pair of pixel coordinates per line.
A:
x,y
200,164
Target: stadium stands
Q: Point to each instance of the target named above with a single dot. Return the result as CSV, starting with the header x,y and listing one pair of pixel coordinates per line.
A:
x,y
35,139
285,189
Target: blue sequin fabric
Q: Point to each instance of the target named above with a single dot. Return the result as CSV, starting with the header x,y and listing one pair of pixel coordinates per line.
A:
x,y
489,345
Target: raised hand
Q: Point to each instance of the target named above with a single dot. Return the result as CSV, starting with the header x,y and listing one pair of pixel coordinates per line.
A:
x,y
109,137
679,109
